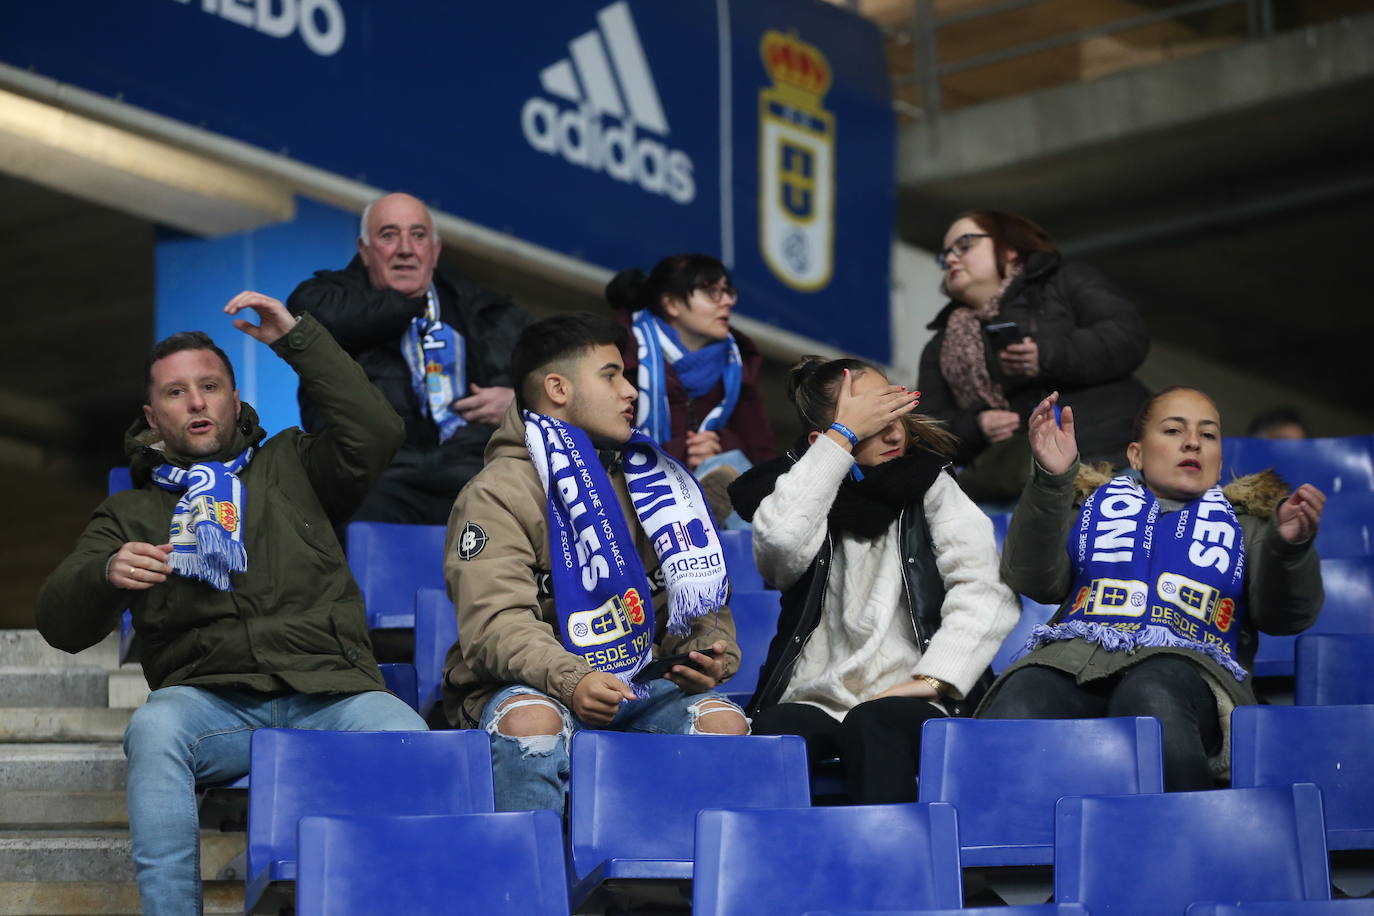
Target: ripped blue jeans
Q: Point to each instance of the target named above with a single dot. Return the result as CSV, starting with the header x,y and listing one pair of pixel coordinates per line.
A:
x,y
530,773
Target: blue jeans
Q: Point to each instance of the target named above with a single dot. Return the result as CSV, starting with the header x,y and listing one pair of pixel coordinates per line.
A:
x,y
530,773
189,736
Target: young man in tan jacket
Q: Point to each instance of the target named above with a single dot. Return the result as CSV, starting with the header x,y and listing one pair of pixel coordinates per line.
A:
x,y
579,556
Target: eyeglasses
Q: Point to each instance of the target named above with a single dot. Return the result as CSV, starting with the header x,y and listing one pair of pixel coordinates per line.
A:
x,y
718,293
959,246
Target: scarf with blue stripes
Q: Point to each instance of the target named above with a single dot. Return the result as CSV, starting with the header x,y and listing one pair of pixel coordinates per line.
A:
x,y
207,523
698,370
436,356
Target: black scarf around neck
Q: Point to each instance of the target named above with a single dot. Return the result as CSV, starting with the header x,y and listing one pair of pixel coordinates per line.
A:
x,y
866,508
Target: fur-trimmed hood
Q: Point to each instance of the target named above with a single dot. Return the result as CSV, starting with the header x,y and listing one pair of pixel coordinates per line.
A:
x,y
1254,494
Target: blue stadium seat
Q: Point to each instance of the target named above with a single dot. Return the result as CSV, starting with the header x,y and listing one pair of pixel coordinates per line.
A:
x,y
507,864
1326,745
389,563
791,860
1000,522
117,481
1143,855
1347,526
1333,669
1363,907
739,560
1004,776
299,772
756,623
1034,909
1012,648
436,630
635,797
1349,608
1340,465
400,680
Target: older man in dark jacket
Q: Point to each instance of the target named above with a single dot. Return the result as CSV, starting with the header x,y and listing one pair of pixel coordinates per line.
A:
x,y
240,592
436,345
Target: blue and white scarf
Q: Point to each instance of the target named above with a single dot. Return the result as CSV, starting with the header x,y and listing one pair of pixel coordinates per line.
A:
x,y
600,590
1139,583
698,371
436,356
207,524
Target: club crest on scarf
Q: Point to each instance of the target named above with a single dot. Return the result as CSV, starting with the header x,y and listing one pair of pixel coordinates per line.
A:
x,y
600,590
435,355
206,532
1139,583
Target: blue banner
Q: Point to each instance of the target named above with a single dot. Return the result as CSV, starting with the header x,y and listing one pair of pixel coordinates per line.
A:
x,y
616,132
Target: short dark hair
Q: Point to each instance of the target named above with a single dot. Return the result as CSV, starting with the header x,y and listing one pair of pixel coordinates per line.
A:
x,y
184,340
1283,415
550,340
677,276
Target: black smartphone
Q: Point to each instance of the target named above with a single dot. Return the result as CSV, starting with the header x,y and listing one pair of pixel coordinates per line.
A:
x,y
1002,334
661,666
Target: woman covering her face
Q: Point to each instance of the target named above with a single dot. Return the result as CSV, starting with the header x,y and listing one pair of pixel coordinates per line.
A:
x,y
1022,322
1163,583
892,606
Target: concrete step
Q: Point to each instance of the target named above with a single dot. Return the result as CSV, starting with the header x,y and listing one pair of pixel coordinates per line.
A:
x,y
62,809
43,724
67,767
101,898
32,685
27,647
32,855
128,688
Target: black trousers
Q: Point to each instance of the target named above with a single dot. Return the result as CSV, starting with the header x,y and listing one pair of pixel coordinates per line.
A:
x,y
1167,687
878,743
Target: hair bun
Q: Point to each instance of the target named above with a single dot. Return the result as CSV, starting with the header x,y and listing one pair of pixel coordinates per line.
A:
x,y
626,290
803,369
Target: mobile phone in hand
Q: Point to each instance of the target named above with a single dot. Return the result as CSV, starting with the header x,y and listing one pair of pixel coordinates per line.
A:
x,y
1002,334
661,666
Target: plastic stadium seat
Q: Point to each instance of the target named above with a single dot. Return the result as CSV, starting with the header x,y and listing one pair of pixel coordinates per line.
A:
x,y
1035,909
465,864
1143,855
400,680
635,797
1004,776
795,860
1000,522
298,772
1349,608
739,560
119,479
1286,908
389,563
1339,465
756,623
436,630
1347,526
1326,745
1333,669
1012,648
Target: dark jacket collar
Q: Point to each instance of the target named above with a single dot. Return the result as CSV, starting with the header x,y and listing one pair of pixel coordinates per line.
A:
x,y
140,442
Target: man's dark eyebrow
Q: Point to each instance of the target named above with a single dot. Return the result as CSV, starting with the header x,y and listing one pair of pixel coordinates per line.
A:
x,y
615,366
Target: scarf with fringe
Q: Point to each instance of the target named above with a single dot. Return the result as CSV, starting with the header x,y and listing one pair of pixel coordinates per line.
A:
x,y
207,523
600,590
1140,583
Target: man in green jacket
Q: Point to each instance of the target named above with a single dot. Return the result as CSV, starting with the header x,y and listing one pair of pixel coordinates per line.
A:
x,y
224,550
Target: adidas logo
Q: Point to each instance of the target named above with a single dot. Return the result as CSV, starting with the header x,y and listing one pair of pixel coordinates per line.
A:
x,y
608,79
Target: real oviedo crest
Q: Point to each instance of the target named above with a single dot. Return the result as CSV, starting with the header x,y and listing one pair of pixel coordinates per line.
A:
x,y
796,164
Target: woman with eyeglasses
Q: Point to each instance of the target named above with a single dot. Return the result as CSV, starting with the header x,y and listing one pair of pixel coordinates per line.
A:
x,y
697,377
1022,322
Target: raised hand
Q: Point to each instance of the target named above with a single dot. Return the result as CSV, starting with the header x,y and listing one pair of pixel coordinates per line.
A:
x,y
137,566
1299,515
870,413
273,318
1053,444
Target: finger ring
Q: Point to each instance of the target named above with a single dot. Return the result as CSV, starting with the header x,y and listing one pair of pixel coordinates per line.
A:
x,y
131,572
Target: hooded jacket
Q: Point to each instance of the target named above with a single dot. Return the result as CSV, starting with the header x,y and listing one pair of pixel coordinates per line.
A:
x,y
294,619
496,562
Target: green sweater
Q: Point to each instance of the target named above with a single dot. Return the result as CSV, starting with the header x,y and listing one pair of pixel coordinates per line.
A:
x,y
294,620
1283,581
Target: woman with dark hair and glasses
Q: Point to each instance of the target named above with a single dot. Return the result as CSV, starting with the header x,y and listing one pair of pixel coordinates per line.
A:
x,y
697,377
1022,322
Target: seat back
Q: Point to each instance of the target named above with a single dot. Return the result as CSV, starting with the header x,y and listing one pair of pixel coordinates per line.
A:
x,y
739,560
1348,584
791,860
1004,776
636,795
1230,844
436,630
118,479
1361,907
389,563
508,864
299,772
400,680
1347,527
1013,647
756,623
1326,745
1333,669
1001,521
1031,909
1337,465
